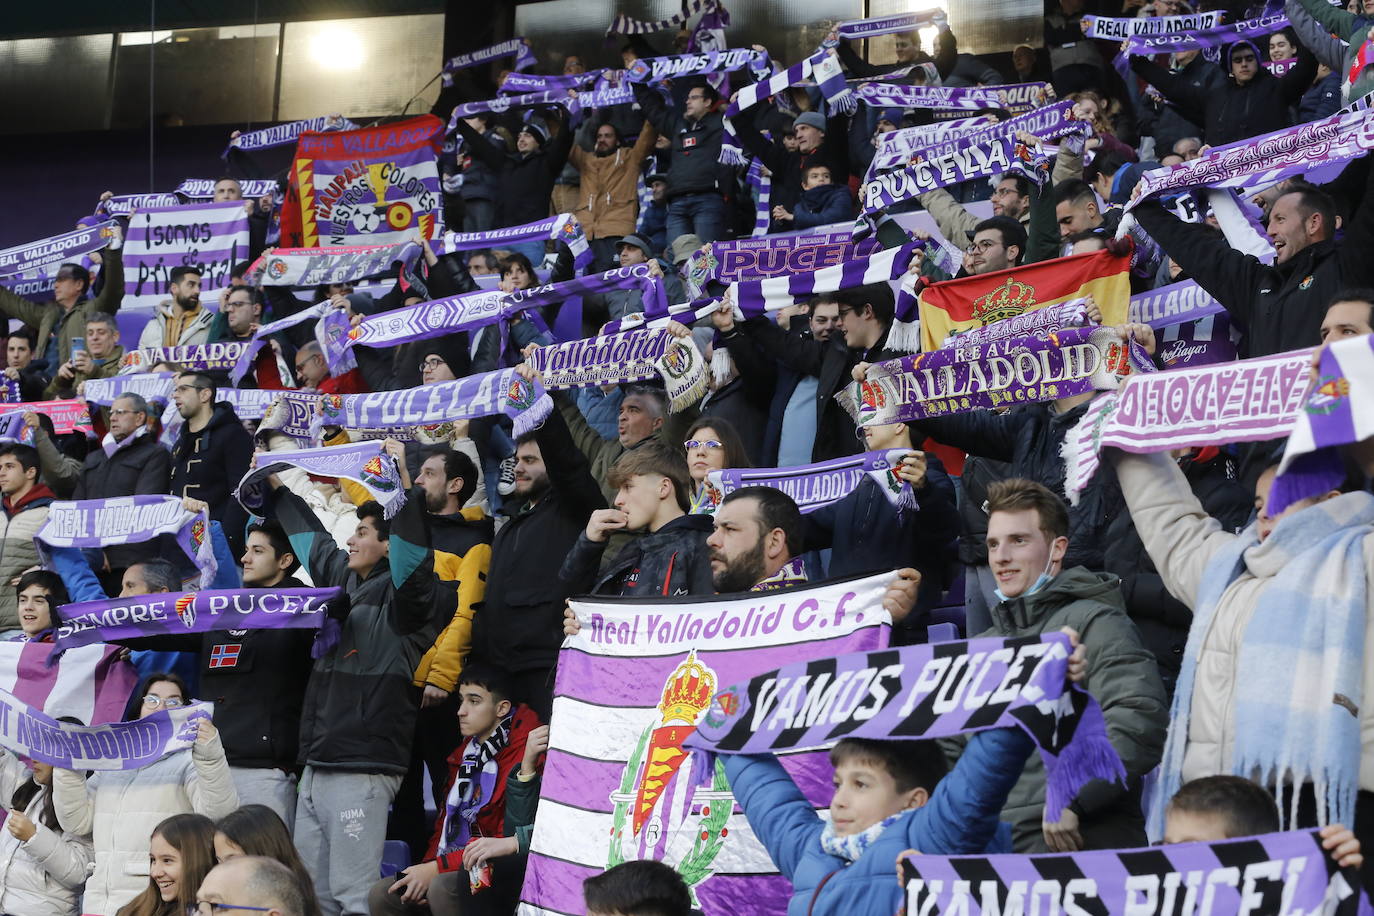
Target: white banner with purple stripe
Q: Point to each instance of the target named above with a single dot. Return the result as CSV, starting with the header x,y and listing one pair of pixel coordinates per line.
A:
x,y
125,204
1114,28
212,237
618,783
200,189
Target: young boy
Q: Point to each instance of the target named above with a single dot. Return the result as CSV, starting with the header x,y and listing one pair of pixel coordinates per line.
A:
x,y
1223,807
639,888
890,797
469,858
653,490
820,204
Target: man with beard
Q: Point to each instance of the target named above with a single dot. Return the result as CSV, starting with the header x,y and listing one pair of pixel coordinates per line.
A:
x,y
239,318
515,628
608,204
212,454
180,321
462,555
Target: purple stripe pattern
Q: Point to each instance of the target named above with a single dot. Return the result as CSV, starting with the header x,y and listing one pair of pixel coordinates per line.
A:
x,y
130,520
518,47
365,463
68,246
213,237
286,134
499,392
814,486
630,356
29,732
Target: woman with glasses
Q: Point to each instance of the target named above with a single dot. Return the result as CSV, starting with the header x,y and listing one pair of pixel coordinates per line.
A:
x,y
181,852
120,808
712,444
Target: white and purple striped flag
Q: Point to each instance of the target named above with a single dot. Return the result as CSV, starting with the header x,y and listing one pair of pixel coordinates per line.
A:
x,y
213,237
90,683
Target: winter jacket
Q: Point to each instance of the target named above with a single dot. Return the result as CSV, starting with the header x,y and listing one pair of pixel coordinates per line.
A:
x,y
518,624
602,453
491,817
479,180
1354,29
1232,112
359,710
1169,123
19,522
979,474
57,469
744,406
830,362
57,326
43,875
866,533
522,798
141,467
789,168
524,182
693,164
462,556
1067,44
653,225
1322,100
1162,619
118,809
272,367
1122,677
195,331
609,201
959,819
1277,307
967,70
103,368
674,560
1325,47
34,380
1029,439
1182,540
209,464
822,205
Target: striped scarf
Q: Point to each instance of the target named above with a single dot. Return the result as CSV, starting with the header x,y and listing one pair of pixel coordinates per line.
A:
x,y
821,66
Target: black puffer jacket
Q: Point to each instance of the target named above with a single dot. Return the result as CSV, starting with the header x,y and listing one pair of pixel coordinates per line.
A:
x,y
142,467
359,709
674,560
1162,619
1028,439
694,164
523,182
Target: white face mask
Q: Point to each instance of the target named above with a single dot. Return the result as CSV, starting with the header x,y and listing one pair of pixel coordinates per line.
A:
x,y
1040,583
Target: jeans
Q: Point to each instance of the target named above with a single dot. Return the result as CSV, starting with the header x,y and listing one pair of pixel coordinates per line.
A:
x,y
701,214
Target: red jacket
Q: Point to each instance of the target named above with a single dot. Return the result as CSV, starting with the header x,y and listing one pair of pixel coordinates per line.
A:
x,y
491,819
350,382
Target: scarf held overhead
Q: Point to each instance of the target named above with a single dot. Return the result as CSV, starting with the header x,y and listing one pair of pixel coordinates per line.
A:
x,y
814,486
210,357
283,134
751,259
920,692
518,47
499,392
212,236
630,356
364,463
563,228
130,520
64,247
318,266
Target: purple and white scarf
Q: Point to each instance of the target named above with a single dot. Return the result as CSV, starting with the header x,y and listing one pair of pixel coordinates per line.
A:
x,y
518,47
286,134
1266,160
87,623
469,311
126,204
203,189
473,787
762,185
504,103
337,264
1277,872
889,25
130,520
630,356
945,98
965,158
364,463
922,692
1339,411
248,352
676,66
248,404
823,67
754,298
896,147
1247,400
499,392
748,259
1209,41
213,357
624,24
564,228
814,486
1024,370
1113,28
1174,304
58,248
1039,323
521,83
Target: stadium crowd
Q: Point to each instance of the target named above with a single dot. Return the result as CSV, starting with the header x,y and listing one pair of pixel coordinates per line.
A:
x,y
398,769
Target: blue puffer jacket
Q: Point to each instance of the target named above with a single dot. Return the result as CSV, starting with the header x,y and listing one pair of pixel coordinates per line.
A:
x,y
959,819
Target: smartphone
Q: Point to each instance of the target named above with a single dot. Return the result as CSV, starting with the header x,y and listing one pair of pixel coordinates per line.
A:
x,y
78,343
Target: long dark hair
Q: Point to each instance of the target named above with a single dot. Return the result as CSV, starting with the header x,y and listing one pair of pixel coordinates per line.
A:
x,y
260,831
735,455
136,701
23,795
193,836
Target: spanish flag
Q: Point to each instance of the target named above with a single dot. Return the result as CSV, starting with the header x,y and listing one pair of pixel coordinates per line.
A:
x,y
972,302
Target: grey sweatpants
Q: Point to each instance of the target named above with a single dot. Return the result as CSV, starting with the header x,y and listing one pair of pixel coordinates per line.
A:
x,y
340,831
265,786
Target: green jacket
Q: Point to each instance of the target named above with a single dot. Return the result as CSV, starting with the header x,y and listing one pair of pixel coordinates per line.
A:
x,y
50,318
1354,29
602,453
1123,676
108,368
521,800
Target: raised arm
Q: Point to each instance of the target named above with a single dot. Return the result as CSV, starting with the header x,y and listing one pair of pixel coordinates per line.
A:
x,y
656,112
411,556
1333,18
782,818
754,143
1174,89
112,282
480,147
309,538
1297,80
961,816
570,473
211,788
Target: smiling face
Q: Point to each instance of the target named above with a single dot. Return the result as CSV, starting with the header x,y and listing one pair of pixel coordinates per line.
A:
x,y
164,867
1019,551
526,143
1289,230
100,339
365,547
35,613
825,317
865,794
1280,48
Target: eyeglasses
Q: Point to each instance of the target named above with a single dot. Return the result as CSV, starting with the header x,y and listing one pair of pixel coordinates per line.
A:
x,y
701,443
300,366
152,701
122,411
432,362
206,908
984,245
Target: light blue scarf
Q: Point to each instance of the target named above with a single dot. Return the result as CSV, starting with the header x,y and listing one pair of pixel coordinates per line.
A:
x,y
1299,677
854,845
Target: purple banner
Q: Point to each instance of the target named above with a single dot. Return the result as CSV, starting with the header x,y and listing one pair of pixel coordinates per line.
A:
x,y
499,392
130,520
284,134
69,246
1039,323
518,47
963,159
214,357
563,228
676,66
212,237
751,259
364,463
813,486
1270,875
630,356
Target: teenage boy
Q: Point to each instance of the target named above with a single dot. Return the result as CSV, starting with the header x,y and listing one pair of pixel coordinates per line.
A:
x,y
494,733
652,493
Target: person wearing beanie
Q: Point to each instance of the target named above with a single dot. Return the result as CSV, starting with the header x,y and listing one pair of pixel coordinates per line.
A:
x,y
632,250
818,143
525,178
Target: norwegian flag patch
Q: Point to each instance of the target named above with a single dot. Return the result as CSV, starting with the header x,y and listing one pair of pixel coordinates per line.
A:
x,y
226,655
